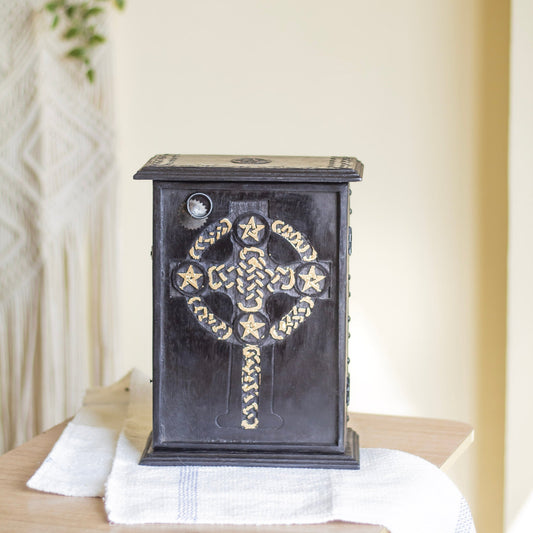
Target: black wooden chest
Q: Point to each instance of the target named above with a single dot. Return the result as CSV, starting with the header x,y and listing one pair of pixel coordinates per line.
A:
x,y
250,310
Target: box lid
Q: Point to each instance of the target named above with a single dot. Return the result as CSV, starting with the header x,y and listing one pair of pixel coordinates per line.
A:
x,y
177,167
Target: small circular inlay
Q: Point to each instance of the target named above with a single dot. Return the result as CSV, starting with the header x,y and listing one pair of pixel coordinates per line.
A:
x,y
251,161
188,277
199,205
311,279
251,328
251,229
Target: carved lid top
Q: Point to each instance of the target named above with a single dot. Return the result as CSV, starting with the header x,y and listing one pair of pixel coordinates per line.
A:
x,y
177,167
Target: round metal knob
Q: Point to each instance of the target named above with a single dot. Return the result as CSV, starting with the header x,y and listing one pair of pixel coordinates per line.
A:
x,y
199,205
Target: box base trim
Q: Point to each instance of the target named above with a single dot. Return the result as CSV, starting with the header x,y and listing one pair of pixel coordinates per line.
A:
x,y
180,457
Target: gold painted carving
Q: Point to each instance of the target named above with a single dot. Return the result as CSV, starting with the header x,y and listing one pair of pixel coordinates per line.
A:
x,y
250,381
190,278
312,280
252,277
208,237
298,241
289,322
250,282
208,320
251,327
251,229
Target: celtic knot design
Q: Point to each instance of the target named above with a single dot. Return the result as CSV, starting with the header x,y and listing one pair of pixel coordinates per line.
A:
x,y
208,237
249,277
251,371
298,241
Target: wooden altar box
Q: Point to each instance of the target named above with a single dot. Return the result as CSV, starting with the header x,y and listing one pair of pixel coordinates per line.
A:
x,y
250,287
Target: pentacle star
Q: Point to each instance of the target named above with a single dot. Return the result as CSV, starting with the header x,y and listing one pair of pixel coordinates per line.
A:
x,y
251,327
312,280
251,229
190,277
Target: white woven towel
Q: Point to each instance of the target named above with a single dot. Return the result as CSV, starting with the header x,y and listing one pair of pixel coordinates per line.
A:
x,y
404,493
81,459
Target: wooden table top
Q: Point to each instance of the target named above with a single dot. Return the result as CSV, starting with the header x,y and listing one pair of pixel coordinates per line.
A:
x,y
24,510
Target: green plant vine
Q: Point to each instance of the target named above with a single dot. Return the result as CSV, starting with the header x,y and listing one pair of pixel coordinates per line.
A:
x,y
79,20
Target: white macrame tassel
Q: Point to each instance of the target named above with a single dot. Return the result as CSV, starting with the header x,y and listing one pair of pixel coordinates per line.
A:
x,y
57,226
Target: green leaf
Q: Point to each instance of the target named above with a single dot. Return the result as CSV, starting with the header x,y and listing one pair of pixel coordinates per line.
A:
x,y
71,11
71,32
76,52
96,39
92,11
80,26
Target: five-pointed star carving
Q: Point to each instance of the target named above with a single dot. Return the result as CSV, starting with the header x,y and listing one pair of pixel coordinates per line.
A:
x,y
312,280
251,327
251,229
190,278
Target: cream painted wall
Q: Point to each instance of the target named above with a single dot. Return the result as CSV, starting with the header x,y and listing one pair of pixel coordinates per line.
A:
x,y
519,430
411,88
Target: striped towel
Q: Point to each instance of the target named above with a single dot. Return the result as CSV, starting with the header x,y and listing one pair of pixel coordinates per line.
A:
x,y
99,452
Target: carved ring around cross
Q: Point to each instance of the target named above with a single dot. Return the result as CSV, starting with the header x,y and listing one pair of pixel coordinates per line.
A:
x,y
248,278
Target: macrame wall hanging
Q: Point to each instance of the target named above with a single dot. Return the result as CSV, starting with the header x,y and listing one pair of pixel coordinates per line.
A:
x,y
57,225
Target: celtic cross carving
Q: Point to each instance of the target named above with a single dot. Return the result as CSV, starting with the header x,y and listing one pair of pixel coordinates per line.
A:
x,y
248,278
